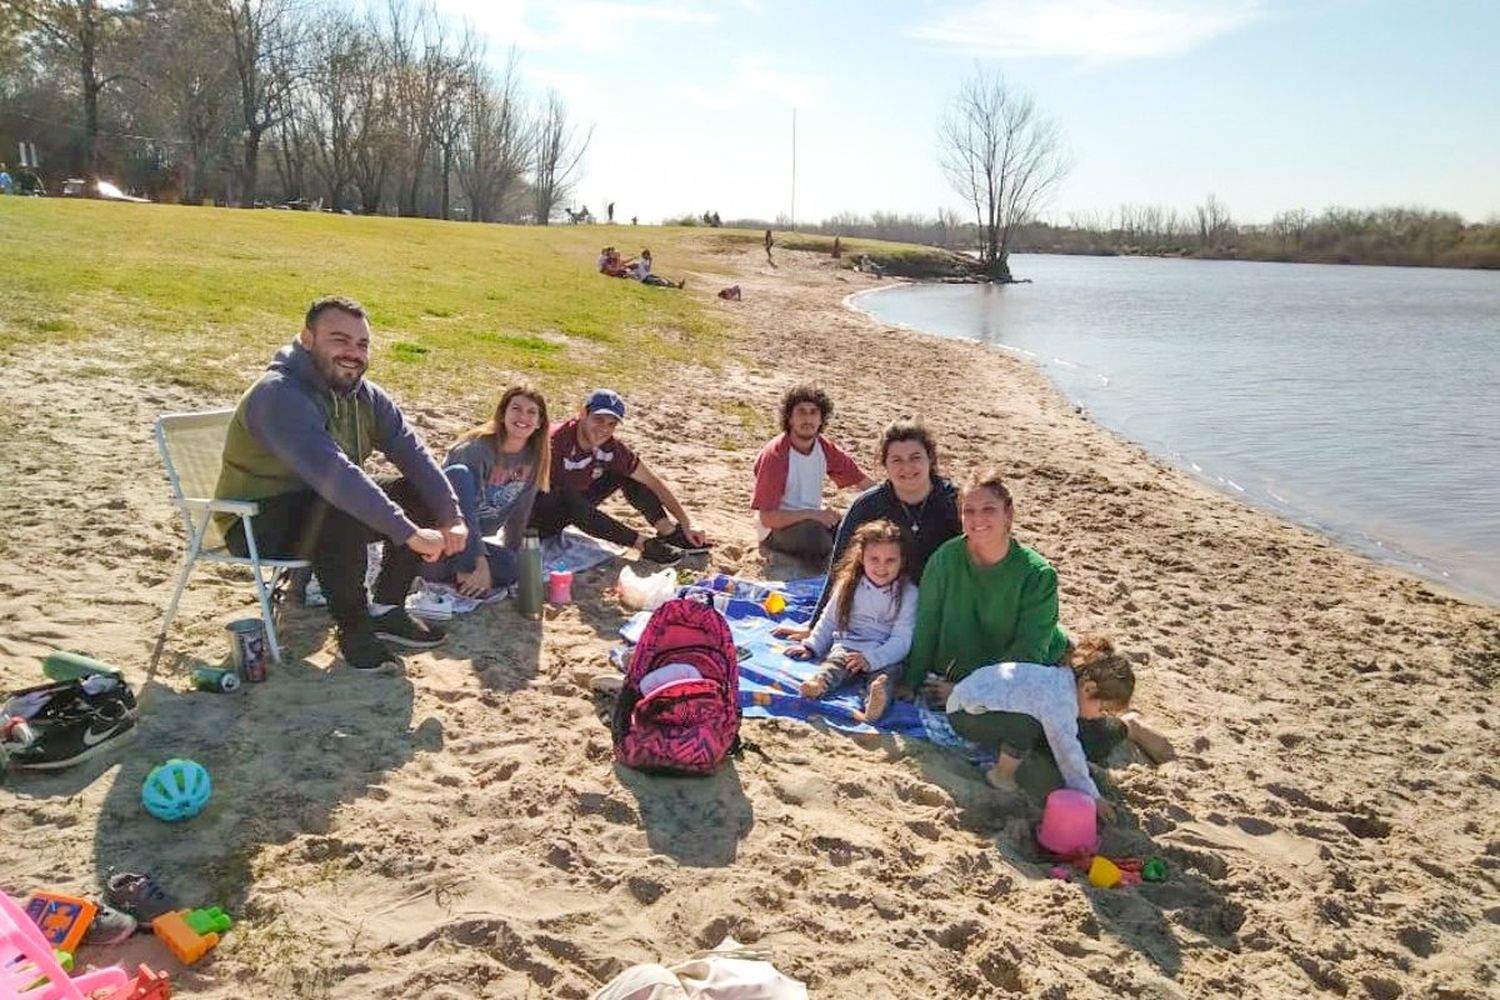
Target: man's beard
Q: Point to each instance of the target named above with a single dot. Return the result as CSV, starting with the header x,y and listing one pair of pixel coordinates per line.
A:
x,y
338,378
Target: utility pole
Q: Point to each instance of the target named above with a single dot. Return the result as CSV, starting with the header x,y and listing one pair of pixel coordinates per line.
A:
x,y
794,170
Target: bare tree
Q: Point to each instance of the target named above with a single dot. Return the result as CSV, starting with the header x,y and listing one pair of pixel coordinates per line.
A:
x,y
186,89
556,155
262,38
1214,223
494,146
87,31
339,56
1004,156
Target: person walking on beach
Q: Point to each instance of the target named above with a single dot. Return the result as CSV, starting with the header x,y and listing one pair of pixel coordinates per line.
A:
x,y
297,443
789,474
589,464
769,243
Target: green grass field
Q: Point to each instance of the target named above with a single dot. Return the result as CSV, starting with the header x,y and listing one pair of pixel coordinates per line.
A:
x,y
199,293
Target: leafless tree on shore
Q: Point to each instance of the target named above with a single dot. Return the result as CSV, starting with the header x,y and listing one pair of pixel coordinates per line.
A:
x,y
1004,157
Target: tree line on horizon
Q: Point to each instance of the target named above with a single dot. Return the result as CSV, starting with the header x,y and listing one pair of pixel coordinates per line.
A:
x,y
249,102
1412,237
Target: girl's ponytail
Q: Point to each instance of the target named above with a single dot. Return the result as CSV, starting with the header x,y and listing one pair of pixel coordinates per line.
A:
x,y
1096,659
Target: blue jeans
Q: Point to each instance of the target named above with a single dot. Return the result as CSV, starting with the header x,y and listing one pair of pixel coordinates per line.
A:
x,y
503,569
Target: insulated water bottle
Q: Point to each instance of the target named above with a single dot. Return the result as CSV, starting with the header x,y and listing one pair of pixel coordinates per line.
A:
x,y
529,584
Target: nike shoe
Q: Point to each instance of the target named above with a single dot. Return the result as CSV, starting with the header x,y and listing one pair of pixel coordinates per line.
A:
x,y
61,699
73,737
678,539
402,629
657,550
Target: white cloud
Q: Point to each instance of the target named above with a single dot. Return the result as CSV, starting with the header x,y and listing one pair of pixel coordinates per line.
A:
x,y
756,80
586,25
1095,30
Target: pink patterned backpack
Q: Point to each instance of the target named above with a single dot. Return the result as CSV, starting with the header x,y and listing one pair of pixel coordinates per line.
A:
x,y
687,724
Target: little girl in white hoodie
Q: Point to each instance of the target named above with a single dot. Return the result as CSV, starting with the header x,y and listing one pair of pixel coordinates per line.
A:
x,y
866,626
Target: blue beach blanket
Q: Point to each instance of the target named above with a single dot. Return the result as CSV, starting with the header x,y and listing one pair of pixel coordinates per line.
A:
x,y
769,680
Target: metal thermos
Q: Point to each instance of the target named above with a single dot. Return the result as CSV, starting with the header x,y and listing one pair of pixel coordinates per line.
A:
x,y
529,584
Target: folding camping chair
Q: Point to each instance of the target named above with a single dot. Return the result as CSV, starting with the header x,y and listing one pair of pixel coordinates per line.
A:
x,y
192,448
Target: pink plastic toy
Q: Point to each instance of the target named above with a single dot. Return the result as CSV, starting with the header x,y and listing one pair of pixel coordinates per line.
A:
x,y
26,957
1069,827
560,586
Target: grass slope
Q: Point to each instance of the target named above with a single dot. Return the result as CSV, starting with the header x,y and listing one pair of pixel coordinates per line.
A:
x,y
202,294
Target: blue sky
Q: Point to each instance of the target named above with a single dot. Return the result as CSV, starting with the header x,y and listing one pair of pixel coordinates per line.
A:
x,y
1268,104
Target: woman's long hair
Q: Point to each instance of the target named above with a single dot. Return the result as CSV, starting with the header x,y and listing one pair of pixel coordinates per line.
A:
x,y
538,442
851,565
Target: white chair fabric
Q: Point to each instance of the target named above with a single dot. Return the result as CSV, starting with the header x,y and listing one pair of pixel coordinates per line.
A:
x,y
192,448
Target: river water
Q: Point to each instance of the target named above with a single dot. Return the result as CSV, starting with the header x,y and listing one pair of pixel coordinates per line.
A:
x,y
1361,401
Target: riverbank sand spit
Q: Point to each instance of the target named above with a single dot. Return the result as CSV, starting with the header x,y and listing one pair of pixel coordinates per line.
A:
x,y
1332,823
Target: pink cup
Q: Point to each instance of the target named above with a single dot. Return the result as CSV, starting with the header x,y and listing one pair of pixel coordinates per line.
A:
x,y
560,586
1069,827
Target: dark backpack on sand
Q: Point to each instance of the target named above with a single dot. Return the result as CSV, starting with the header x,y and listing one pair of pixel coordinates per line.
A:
x,y
686,726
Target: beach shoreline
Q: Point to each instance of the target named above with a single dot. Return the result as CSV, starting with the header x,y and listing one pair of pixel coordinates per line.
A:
x,y
1461,583
1332,822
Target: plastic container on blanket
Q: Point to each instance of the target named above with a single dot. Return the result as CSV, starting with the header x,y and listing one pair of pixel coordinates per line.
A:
x,y
646,593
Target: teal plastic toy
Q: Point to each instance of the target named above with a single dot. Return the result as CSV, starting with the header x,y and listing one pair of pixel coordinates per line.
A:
x,y
176,790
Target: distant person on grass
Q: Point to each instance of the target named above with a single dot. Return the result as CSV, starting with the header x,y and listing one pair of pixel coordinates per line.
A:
x,y
640,270
7,186
589,464
296,445
789,473
496,470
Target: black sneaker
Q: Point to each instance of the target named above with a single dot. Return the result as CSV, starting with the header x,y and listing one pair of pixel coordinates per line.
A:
x,y
364,652
658,551
65,699
678,539
401,628
62,741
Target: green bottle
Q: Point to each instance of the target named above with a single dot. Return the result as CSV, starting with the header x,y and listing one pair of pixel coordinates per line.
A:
x,y
529,585
71,666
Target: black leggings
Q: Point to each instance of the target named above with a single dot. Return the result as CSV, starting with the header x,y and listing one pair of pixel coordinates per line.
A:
x,y
1022,736
556,509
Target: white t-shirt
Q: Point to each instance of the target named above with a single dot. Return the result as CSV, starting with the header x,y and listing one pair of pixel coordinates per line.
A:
x,y
804,483
804,479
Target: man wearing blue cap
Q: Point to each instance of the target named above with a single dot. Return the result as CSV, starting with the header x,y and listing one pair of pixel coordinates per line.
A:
x,y
589,465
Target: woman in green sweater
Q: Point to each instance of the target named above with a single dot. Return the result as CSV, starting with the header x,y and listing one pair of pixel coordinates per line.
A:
x,y
985,598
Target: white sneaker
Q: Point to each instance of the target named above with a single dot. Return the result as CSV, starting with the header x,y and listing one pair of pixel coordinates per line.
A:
x,y
431,605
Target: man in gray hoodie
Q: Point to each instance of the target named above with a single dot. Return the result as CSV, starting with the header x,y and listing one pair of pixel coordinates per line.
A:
x,y
296,445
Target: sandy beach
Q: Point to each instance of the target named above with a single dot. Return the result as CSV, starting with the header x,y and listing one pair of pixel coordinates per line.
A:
x,y
1332,823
